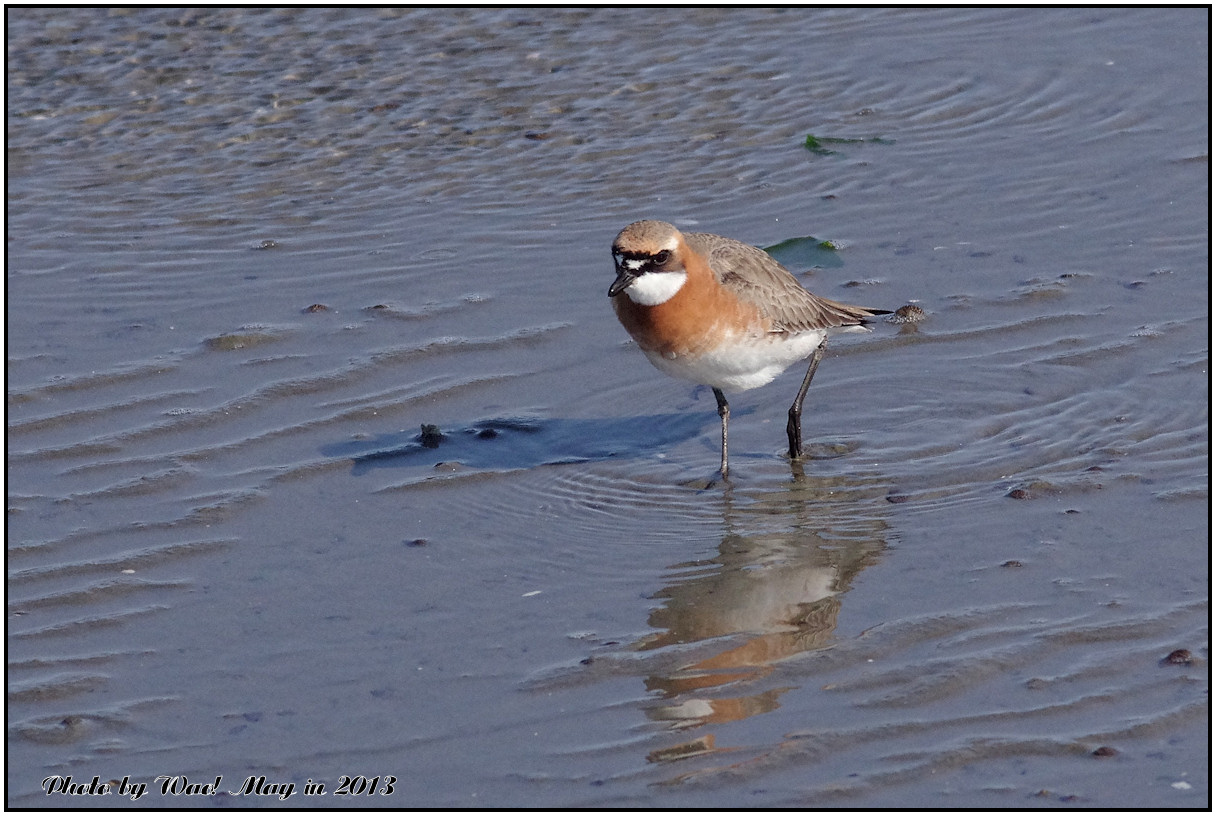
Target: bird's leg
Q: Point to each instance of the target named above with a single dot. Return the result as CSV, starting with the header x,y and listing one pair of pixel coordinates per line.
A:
x,y
724,412
793,428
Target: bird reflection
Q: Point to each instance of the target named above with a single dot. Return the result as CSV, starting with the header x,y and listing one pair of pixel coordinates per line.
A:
x,y
766,597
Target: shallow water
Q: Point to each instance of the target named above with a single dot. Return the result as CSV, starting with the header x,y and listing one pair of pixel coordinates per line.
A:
x,y
232,552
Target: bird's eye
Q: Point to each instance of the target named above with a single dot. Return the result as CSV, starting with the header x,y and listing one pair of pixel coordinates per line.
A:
x,y
662,258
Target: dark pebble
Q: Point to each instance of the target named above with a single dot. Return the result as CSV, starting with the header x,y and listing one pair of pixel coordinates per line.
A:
x,y
1012,564
417,542
897,498
316,307
431,436
487,433
1178,657
907,314
1105,751
1018,493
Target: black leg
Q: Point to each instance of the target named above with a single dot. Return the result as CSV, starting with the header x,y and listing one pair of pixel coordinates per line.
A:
x,y
724,412
793,428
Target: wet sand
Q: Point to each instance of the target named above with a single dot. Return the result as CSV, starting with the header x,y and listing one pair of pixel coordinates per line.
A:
x,y
251,254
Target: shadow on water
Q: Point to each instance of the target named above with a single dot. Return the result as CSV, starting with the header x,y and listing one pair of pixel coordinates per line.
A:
x,y
516,443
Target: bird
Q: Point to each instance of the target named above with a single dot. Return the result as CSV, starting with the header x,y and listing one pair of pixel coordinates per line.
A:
x,y
722,313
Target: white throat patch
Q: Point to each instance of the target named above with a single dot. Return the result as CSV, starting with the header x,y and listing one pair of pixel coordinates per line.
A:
x,y
654,288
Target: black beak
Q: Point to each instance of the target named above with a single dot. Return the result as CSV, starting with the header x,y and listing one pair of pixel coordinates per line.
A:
x,y
624,279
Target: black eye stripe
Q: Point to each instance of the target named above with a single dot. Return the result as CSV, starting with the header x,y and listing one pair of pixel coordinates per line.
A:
x,y
658,258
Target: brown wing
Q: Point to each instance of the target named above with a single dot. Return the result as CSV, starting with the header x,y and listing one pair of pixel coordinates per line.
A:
x,y
756,277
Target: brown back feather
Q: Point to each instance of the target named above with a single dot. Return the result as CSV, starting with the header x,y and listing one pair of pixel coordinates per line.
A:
x,y
756,277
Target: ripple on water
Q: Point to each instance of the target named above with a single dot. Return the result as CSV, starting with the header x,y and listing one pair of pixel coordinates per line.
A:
x,y
887,684
444,184
1028,425
205,432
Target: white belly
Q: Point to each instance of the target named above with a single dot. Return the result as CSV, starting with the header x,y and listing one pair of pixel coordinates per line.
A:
x,y
741,365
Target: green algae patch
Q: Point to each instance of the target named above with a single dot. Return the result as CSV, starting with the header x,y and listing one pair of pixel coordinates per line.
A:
x,y
818,144
806,253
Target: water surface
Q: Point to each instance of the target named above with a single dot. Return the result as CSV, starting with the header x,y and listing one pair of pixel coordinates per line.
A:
x,y
251,253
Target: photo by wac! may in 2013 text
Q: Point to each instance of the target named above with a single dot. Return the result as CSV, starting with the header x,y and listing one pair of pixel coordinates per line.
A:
x,y
250,786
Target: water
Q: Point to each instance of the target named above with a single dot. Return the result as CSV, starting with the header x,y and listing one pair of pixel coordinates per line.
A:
x,y
233,553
